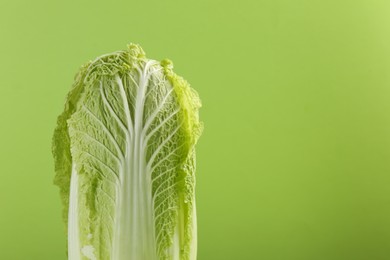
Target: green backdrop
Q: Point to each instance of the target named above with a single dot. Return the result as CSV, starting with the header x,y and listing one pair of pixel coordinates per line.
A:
x,y
294,159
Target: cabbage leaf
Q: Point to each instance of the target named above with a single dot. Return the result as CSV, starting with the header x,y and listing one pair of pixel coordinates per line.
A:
x,y
125,160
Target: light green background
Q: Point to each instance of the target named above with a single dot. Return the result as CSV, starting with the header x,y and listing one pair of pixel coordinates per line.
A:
x,y
294,159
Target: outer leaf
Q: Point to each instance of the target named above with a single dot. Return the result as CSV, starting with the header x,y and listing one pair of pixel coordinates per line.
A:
x,y
125,160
